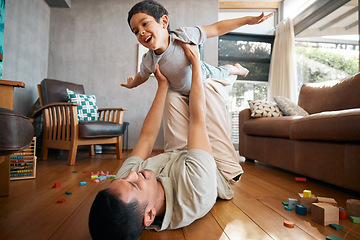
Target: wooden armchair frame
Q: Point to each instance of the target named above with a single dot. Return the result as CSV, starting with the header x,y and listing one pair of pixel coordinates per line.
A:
x,y
61,128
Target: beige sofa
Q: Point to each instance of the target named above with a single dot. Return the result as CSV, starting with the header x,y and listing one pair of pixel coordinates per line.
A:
x,y
324,145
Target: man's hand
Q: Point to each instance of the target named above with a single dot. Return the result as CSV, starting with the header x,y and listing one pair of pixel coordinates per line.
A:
x,y
161,79
129,84
259,19
191,51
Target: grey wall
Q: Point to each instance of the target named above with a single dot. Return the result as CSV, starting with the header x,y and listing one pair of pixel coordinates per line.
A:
x,y
26,48
91,44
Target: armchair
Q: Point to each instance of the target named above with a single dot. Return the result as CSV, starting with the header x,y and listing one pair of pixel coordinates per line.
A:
x,y
63,130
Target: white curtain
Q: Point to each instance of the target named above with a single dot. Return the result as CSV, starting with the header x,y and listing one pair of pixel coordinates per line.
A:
x,y
282,76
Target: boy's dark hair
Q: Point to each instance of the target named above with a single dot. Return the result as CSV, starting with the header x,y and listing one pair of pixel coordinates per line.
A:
x,y
111,218
151,8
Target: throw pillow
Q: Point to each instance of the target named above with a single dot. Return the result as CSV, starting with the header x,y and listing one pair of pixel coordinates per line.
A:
x,y
260,108
289,108
88,110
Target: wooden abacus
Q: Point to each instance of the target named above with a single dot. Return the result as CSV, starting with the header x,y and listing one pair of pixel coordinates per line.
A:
x,y
23,164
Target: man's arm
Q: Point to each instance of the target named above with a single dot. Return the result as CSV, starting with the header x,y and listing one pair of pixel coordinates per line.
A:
x,y
197,134
225,26
152,122
134,82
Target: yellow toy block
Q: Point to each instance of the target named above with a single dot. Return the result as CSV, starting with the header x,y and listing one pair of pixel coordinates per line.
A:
x,y
307,193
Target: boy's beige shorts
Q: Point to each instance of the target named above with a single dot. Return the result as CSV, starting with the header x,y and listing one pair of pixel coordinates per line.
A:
x,y
176,121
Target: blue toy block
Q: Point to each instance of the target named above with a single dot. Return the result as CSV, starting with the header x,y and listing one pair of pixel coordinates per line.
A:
x,y
336,226
287,208
333,237
301,210
293,202
83,183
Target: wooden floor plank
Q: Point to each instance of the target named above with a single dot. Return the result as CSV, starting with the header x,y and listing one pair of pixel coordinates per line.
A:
x,y
235,223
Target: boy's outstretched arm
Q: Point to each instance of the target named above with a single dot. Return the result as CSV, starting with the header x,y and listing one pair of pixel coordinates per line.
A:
x,y
225,26
152,122
134,82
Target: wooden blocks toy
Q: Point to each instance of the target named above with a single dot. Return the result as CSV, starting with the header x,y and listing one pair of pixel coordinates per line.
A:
x,y
336,226
57,185
353,207
83,183
330,201
301,209
324,214
342,214
292,203
355,219
307,193
289,224
307,201
333,237
300,179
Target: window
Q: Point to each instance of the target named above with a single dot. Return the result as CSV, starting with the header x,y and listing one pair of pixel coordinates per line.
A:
x,y
254,53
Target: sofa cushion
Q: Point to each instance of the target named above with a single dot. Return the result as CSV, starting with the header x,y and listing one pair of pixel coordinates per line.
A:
x,y
264,109
331,95
270,127
98,129
87,110
288,107
340,125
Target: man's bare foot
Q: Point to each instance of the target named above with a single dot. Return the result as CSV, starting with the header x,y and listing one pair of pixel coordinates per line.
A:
x,y
242,71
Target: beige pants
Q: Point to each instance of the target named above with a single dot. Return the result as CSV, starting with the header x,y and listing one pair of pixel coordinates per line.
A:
x,y
176,122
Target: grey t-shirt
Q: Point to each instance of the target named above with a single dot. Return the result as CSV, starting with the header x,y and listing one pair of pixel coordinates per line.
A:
x,y
191,183
173,62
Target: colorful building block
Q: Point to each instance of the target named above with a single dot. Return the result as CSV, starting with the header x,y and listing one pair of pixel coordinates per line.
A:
x,y
333,237
289,224
300,179
307,193
324,214
57,185
95,180
336,226
293,202
285,203
287,208
354,219
83,183
327,200
353,207
68,192
101,178
94,177
342,214
301,209
74,171
307,201
61,201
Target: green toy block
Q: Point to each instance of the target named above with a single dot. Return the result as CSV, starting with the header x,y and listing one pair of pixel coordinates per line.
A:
x,y
336,226
285,203
288,208
68,192
333,237
355,219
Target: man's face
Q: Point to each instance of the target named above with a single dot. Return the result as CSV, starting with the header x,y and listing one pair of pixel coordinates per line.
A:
x,y
150,33
141,187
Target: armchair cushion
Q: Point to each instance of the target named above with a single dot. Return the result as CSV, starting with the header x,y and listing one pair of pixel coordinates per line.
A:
x,y
98,129
88,110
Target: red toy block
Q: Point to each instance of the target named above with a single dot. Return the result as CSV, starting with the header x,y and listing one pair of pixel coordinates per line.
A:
x,y
342,214
289,224
300,179
57,185
61,200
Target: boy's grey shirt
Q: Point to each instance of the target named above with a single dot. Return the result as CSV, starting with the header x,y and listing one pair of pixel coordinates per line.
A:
x,y
173,62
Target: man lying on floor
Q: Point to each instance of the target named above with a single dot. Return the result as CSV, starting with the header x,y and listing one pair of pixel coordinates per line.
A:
x,y
173,189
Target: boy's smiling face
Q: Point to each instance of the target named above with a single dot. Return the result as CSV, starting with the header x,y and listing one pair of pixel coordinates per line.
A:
x,y
150,33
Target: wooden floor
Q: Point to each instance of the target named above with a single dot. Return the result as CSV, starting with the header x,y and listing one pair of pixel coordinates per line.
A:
x,y
256,212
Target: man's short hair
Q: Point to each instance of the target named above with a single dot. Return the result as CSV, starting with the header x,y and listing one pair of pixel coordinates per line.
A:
x,y
151,8
111,218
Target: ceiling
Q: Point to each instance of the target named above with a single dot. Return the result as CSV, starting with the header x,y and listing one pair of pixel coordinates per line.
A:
x,y
331,18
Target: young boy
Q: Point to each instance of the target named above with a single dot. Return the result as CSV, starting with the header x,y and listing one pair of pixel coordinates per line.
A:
x,y
149,21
